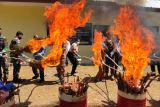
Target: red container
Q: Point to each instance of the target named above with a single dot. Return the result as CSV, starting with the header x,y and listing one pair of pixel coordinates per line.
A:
x,y
72,101
130,100
9,103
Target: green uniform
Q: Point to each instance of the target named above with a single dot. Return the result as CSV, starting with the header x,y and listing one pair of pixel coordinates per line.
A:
x,y
14,45
3,59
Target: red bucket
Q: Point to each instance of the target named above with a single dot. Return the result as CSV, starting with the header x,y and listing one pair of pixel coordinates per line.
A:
x,y
131,100
73,101
9,103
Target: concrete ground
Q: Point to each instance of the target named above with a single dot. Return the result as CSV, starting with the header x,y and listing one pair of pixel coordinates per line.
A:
x,y
33,94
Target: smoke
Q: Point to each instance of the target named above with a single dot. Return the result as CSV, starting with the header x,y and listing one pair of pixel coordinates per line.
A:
x,y
105,12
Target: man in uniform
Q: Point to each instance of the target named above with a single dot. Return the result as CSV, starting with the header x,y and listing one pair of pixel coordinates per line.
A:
x,y
15,55
61,66
73,55
3,57
118,56
110,52
38,56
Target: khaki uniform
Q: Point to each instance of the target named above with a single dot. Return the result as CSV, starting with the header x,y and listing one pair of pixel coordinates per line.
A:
x,y
14,45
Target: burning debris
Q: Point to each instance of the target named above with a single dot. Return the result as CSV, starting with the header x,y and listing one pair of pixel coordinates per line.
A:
x,y
136,45
73,94
76,88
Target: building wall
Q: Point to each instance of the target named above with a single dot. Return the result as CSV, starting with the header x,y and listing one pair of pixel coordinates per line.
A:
x,y
27,18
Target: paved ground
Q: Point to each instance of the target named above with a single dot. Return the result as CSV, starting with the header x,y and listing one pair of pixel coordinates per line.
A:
x,y
46,94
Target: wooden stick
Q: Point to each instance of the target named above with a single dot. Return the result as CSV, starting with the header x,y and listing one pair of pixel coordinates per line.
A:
x,y
113,61
151,81
110,66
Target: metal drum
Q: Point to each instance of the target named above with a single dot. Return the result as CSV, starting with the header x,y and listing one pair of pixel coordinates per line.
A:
x,y
131,100
9,103
72,101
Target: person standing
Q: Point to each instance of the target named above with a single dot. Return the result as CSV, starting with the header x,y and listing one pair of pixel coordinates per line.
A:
x,y
110,54
118,55
154,62
38,56
3,57
15,54
73,55
61,67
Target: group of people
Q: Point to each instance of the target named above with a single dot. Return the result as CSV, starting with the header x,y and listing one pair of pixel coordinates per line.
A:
x,y
155,62
70,51
111,57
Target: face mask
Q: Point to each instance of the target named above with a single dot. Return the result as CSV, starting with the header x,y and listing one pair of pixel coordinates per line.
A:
x,y
19,37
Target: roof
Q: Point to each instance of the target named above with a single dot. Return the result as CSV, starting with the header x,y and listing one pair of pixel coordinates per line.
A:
x,y
38,1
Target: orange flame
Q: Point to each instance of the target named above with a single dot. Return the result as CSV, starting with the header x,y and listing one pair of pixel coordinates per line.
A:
x,y
136,44
97,48
63,20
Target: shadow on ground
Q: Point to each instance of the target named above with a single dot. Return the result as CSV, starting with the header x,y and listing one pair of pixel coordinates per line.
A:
x,y
154,103
25,104
30,81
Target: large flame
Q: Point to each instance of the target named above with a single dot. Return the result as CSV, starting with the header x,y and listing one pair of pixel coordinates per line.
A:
x,y
63,20
97,48
136,43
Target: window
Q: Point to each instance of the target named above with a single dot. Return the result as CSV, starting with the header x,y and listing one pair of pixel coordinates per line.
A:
x,y
85,34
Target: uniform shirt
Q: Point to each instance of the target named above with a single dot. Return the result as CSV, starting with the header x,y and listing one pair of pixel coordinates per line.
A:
x,y
13,46
3,45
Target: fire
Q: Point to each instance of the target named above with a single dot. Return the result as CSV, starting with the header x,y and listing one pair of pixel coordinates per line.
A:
x,y
136,44
63,20
97,48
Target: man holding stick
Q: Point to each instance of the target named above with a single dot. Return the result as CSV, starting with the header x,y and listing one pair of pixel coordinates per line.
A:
x,y
110,52
3,57
155,63
38,56
61,66
14,45
73,55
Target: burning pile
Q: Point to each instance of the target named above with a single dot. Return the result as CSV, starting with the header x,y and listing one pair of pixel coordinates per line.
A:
x,y
63,20
136,45
76,88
